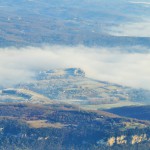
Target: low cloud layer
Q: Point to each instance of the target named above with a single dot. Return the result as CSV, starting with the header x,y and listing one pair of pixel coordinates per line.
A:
x,y
140,2
133,29
20,65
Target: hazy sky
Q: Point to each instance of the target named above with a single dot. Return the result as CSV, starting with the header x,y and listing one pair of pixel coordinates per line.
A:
x,y
20,65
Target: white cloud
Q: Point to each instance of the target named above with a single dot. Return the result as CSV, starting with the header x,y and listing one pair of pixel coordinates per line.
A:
x,y
19,65
134,29
140,2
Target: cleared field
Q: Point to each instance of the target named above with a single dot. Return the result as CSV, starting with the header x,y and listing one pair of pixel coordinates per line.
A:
x,y
44,124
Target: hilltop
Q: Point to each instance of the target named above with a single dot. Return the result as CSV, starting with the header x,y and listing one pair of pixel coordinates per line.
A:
x,y
72,85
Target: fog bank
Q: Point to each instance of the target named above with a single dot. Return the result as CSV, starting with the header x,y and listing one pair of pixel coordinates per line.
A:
x,y
20,65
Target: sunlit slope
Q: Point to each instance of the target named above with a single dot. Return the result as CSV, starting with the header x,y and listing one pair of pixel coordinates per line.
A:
x,y
22,95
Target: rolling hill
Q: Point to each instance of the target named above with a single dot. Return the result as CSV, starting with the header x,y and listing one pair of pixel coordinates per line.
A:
x,y
138,112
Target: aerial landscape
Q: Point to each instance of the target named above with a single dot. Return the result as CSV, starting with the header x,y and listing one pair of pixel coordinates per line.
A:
x,y
74,75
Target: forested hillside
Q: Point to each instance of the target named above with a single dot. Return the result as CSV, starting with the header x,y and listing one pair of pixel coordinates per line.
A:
x,y
65,127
